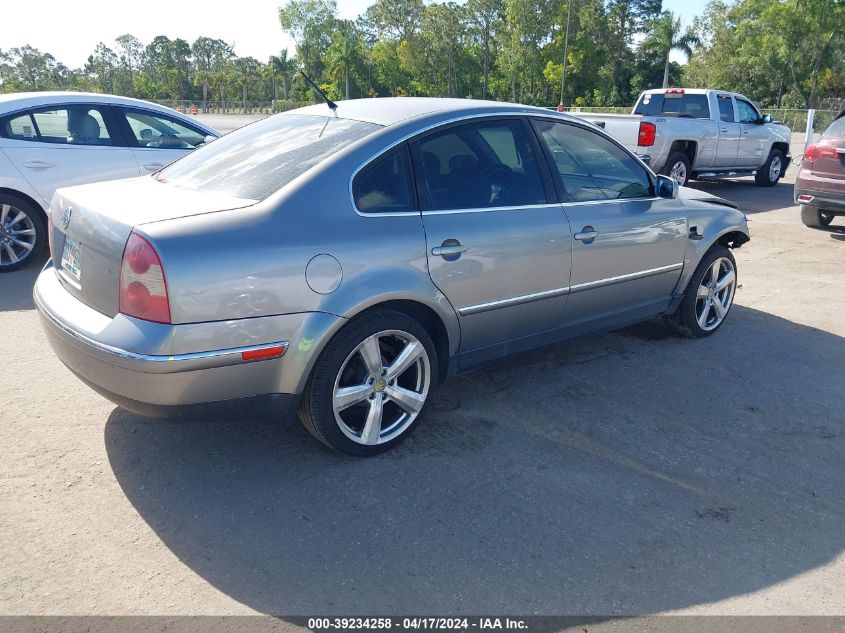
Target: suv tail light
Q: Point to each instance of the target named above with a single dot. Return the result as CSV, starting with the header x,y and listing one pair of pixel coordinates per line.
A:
x,y
647,134
815,152
143,288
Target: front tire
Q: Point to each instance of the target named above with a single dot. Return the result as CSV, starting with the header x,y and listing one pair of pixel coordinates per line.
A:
x,y
815,218
371,384
678,168
771,171
22,232
708,297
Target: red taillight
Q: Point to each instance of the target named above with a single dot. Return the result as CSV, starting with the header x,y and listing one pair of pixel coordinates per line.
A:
x,y
647,134
674,91
266,352
815,152
143,288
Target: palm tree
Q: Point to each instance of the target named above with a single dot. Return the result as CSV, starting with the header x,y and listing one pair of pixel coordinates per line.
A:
x,y
284,67
666,35
343,53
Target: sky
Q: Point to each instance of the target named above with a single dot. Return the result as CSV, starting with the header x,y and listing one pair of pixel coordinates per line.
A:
x,y
71,30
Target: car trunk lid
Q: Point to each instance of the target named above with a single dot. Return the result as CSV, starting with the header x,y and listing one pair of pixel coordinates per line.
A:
x,y
91,224
829,164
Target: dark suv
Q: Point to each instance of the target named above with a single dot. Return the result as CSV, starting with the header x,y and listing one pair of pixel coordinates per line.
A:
x,y
820,186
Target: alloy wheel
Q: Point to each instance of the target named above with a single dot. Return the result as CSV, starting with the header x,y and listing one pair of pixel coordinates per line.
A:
x,y
715,294
678,173
774,168
17,235
381,387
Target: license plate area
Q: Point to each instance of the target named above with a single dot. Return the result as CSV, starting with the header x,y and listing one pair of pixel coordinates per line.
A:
x,y
70,259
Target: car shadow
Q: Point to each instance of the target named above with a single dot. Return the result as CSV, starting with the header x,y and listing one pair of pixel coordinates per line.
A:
x,y
16,286
750,198
635,472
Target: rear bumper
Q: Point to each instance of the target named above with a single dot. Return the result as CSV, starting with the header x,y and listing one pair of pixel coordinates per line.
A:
x,y
833,202
144,366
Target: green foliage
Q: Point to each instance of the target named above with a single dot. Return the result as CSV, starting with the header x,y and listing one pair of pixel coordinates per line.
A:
x,y
785,52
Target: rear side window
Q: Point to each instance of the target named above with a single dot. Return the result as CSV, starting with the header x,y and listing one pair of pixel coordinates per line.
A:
x,y
481,165
693,106
259,159
385,185
726,108
65,125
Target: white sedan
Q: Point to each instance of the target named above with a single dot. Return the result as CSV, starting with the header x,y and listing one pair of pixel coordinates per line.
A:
x,y
58,139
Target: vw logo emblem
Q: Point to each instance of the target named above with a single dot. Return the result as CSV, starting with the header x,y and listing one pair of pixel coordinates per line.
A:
x,y
66,217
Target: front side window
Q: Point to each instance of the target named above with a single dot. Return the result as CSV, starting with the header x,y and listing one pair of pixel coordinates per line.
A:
x,y
481,165
65,125
747,112
726,108
385,185
160,132
261,158
592,167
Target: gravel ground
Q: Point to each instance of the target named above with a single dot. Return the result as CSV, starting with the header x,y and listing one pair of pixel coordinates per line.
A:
x,y
629,473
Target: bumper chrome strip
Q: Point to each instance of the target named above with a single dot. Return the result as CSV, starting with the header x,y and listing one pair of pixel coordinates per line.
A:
x,y
97,346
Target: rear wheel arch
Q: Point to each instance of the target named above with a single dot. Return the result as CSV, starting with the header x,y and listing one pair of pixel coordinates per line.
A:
x,y
689,148
426,317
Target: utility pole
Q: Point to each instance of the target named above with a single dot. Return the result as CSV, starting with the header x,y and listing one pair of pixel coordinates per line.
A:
x,y
565,55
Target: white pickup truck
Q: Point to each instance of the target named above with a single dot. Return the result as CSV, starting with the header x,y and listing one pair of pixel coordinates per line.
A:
x,y
698,133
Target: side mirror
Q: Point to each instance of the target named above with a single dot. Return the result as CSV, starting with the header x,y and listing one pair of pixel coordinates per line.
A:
x,y
206,141
667,187
766,118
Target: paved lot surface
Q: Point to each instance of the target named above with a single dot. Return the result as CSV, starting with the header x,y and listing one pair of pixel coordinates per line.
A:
x,y
634,472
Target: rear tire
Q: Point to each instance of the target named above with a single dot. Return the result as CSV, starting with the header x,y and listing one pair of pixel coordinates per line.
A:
x,y
708,296
814,217
22,232
359,399
770,173
677,168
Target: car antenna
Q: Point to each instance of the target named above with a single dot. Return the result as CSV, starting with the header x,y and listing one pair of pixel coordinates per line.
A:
x,y
329,102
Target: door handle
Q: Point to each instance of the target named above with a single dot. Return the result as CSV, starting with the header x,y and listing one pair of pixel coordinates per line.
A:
x,y
745,131
38,164
153,166
450,250
723,129
586,235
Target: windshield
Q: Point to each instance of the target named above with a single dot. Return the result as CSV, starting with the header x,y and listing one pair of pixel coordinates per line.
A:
x,y
259,159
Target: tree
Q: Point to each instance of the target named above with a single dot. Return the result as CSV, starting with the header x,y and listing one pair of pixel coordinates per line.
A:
x,y
101,67
397,19
310,23
668,35
285,67
344,53
482,16
210,58
130,49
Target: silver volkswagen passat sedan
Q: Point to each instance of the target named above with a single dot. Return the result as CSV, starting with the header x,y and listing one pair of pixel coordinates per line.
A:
x,y
347,260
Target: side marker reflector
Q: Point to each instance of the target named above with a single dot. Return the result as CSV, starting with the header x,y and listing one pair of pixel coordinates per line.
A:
x,y
266,352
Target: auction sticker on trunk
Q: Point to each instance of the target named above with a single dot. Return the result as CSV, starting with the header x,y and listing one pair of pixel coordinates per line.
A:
x,y
70,258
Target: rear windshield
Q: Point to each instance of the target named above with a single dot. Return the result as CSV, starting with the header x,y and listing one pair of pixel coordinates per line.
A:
x,y
681,105
837,128
259,159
